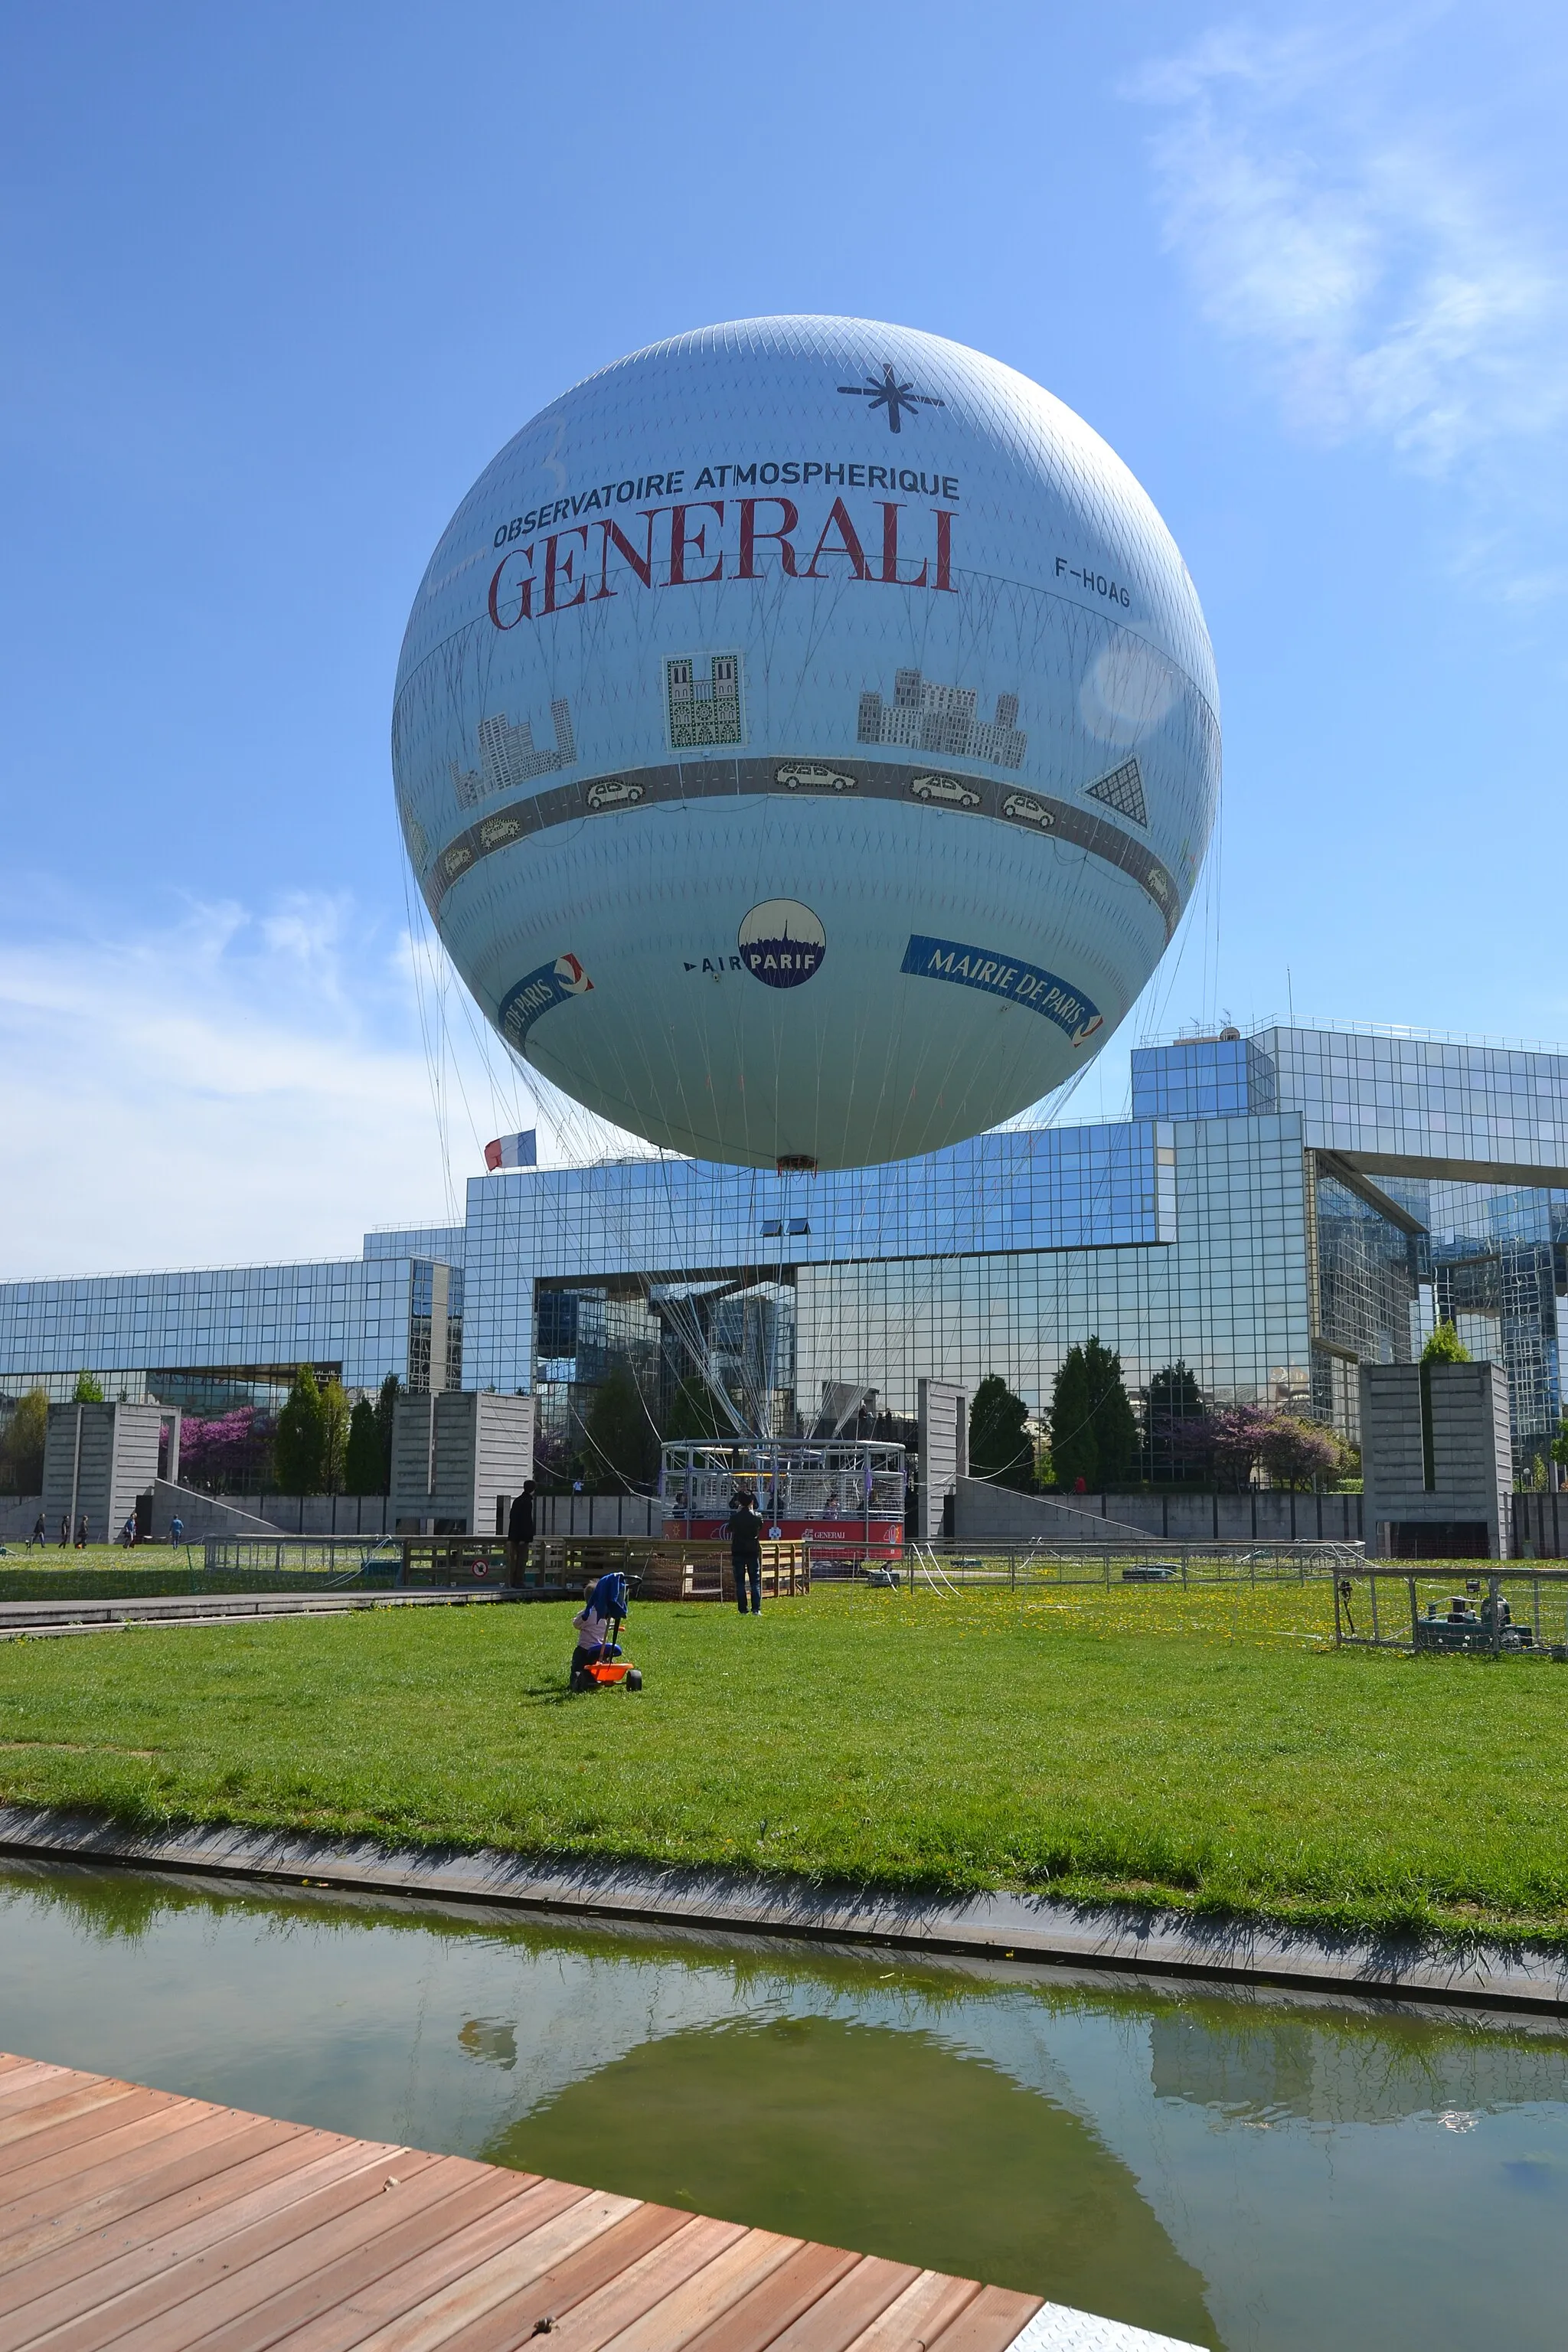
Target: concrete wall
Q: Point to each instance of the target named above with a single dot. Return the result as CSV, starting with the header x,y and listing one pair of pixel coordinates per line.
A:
x,y
97,1459
454,1454
943,1451
988,1514
204,1514
1472,1465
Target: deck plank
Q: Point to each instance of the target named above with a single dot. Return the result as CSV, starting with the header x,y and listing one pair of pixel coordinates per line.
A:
x,y
201,2165
435,2318
801,2280
33,2133
137,2220
66,2279
452,2231
932,2302
145,2121
358,2318
712,2290
204,2291
555,2291
843,2313
611,2308
19,2122
989,2322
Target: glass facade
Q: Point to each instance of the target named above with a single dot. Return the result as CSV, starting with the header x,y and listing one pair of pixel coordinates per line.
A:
x,y
212,1338
1279,1209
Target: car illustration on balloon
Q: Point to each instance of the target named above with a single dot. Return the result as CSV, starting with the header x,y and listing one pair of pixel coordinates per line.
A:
x,y
1025,810
614,791
947,790
495,832
814,780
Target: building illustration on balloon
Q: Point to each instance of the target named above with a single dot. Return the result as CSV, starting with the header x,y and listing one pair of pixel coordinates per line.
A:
x,y
508,756
925,716
703,712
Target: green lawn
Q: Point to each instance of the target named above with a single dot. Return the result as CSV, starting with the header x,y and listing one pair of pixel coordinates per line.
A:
x,y
1208,1746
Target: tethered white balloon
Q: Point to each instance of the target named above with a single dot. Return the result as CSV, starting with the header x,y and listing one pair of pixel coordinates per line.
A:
x,y
806,742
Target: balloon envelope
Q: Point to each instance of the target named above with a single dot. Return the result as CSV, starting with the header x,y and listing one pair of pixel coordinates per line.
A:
x,y
805,739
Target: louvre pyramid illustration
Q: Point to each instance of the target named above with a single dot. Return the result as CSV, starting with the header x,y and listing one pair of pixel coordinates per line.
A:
x,y
1122,790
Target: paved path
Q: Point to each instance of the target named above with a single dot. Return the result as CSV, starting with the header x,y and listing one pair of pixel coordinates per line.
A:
x,y
41,1617
134,2218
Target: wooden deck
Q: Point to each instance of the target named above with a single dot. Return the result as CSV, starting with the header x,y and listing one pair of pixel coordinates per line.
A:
x,y
132,2218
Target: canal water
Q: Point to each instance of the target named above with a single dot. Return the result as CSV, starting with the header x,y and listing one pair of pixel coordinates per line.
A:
x,y
1257,2174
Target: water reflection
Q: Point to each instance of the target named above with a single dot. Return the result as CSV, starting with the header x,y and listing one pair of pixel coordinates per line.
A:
x,y
887,2137
1367,2070
1260,2174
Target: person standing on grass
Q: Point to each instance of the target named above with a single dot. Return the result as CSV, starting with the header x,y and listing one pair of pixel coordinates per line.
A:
x,y
64,1529
746,1533
520,1534
81,1533
176,1531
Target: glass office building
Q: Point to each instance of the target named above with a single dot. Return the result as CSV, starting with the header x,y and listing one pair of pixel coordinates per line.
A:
x,y
1277,1210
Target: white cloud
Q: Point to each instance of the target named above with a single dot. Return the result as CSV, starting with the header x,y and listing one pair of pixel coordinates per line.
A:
x,y
1382,284
237,1086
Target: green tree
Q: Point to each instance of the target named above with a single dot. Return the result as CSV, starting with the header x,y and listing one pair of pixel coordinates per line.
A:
x,y
1444,1345
361,1456
1094,1432
335,1415
385,1406
1559,1443
300,1440
22,1448
622,1443
1000,1446
694,1415
87,1389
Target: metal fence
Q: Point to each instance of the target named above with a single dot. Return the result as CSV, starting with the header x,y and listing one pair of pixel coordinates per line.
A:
x,y
1491,1611
930,1568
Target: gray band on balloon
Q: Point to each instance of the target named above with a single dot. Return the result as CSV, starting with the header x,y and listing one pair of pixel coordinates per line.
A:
x,y
918,785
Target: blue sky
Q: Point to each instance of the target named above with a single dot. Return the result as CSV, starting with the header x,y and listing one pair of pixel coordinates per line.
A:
x,y
277,281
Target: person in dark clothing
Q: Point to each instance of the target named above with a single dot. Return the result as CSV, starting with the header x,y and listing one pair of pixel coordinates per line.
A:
x,y
40,1534
744,1530
519,1534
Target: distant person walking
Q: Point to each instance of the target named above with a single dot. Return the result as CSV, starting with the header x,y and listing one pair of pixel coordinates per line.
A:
x,y
520,1534
81,1533
40,1534
746,1533
176,1530
65,1530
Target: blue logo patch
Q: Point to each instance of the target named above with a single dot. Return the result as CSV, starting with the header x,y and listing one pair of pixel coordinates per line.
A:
x,y
552,984
782,943
1019,983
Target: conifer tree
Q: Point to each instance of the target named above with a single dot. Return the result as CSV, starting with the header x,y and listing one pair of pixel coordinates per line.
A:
x,y
300,1440
1094,1431
362,1458
1000,1446
622,1448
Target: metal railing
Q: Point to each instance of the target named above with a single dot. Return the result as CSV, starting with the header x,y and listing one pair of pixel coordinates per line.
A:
x,y
950,1568
1488,1611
